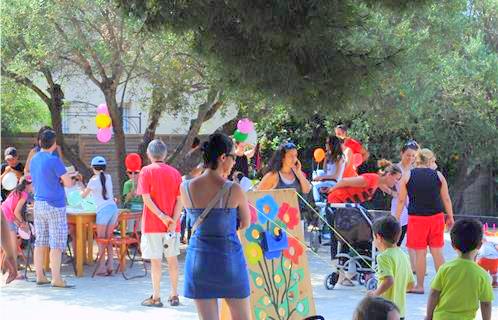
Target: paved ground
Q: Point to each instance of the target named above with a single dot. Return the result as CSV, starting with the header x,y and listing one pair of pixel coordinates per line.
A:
x,y
115,298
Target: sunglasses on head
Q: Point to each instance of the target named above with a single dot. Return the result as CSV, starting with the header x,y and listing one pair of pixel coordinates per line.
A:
x,y
289,146
411,143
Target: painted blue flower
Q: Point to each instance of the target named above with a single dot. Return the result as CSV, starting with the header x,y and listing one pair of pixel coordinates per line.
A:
x,y
267,208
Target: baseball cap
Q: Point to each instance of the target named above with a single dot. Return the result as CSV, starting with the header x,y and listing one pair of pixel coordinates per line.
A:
x,y
10,152
98,161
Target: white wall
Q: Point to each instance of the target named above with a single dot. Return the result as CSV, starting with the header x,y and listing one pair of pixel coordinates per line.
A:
x,y
82,96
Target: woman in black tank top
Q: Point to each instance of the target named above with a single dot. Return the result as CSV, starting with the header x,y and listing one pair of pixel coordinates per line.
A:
x,y
428,196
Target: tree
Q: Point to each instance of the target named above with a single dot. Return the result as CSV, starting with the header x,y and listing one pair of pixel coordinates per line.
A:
x,y
27,60
310,54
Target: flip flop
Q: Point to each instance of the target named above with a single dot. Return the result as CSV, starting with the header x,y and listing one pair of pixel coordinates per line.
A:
x,y
43,283
63,286
415,292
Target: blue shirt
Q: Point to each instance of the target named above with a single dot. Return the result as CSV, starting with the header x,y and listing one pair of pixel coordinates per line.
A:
x,y
46,170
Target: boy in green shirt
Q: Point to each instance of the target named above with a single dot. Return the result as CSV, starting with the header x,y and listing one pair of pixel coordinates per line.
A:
x,y
393,265
461,285
130,198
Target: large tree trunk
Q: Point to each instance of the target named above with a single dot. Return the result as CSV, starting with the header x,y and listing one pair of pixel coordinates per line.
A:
x,y
119,135
55,107
155,112
182,159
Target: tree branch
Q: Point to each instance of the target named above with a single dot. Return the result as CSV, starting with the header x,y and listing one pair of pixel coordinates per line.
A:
x,y
26,82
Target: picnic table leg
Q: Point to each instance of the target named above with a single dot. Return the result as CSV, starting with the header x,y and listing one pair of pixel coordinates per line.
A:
x,y
79,247
90,243
122,249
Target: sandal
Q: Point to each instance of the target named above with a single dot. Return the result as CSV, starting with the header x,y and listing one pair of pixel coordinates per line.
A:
x,y
151,302
63,285
42,282
174,301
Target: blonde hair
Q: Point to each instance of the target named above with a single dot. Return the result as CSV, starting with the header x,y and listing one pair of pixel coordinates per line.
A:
x,y
424,157
387,167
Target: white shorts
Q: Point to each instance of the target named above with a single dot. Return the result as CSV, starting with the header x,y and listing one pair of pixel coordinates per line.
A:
x,y
154,245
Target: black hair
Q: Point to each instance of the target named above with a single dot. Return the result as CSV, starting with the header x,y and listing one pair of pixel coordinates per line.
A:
x,y
101,168
217,145
466,234
21,186
388,228
374,308
196,142
39,135
335,150
410,144
343,127
48,138
276,161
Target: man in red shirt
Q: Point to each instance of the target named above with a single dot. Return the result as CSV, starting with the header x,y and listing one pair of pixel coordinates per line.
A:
x,y
159,185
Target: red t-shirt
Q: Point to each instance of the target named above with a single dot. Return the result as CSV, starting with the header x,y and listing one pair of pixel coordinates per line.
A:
x,y
356,194
354,145
162,182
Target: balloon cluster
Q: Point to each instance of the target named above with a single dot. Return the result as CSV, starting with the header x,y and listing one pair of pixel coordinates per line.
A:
x,y
104,123
246,132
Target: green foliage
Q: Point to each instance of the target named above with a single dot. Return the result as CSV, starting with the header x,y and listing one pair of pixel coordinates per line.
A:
x,y
22,110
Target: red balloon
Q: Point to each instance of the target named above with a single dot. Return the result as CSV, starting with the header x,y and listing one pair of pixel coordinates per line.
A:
x,y
133,162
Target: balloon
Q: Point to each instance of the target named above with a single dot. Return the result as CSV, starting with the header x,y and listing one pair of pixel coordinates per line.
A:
x,y
357,159
102,121
252,138
102,109
245,125
319,154
9,181
133,162
239,136
104,135
74,199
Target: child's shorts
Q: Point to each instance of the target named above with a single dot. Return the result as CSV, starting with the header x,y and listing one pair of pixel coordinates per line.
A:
x,y
490,265
108,215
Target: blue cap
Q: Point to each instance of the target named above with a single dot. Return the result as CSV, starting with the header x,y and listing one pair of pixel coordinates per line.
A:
x,y
98,161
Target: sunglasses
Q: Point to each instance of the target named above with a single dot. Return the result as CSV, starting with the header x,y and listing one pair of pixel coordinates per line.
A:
x,y
289,146
132,172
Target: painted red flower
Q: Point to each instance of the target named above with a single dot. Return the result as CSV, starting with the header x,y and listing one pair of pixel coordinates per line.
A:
x,y
294,251
288,215
254,214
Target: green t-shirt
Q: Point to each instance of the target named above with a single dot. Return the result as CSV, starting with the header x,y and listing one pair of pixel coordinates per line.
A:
x,y
136,203
395,263
463,285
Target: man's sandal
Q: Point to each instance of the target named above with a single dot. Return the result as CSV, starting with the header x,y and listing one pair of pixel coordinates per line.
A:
x,y
151,302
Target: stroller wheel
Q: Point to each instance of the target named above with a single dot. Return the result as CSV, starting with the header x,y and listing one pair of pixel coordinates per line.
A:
x,y
371,284
331,280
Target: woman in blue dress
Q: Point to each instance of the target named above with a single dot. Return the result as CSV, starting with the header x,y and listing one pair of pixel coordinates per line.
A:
x,y
215,267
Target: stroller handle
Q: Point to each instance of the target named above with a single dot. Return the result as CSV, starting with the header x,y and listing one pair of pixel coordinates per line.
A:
x,y
345,205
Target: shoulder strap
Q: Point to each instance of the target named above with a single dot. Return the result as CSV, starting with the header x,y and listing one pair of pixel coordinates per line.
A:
x,y
210,206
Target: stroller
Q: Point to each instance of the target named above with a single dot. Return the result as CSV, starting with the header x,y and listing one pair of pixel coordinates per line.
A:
x,y
353,223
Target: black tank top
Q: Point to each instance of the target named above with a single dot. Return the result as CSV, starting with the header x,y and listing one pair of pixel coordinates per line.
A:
x,y
424,189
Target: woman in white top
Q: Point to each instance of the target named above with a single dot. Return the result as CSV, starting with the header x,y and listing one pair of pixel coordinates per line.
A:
x,y
334,166
407,155
100,185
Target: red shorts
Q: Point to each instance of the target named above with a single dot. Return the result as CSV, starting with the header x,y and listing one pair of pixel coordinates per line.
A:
x,y
490,265
425,231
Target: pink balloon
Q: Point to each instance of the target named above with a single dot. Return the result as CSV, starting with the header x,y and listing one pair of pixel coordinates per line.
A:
x,y
245,125
102,108
104,135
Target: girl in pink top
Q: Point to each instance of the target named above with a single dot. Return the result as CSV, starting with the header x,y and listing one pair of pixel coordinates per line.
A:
x,y
12,208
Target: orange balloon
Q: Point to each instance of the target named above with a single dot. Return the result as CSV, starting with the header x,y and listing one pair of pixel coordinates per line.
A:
x,y
319,154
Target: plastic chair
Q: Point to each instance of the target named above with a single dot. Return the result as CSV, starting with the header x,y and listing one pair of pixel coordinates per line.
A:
x,y
127,240
104,242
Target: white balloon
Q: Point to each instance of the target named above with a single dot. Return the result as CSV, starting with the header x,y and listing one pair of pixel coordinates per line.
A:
x,y
252,138
9,181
